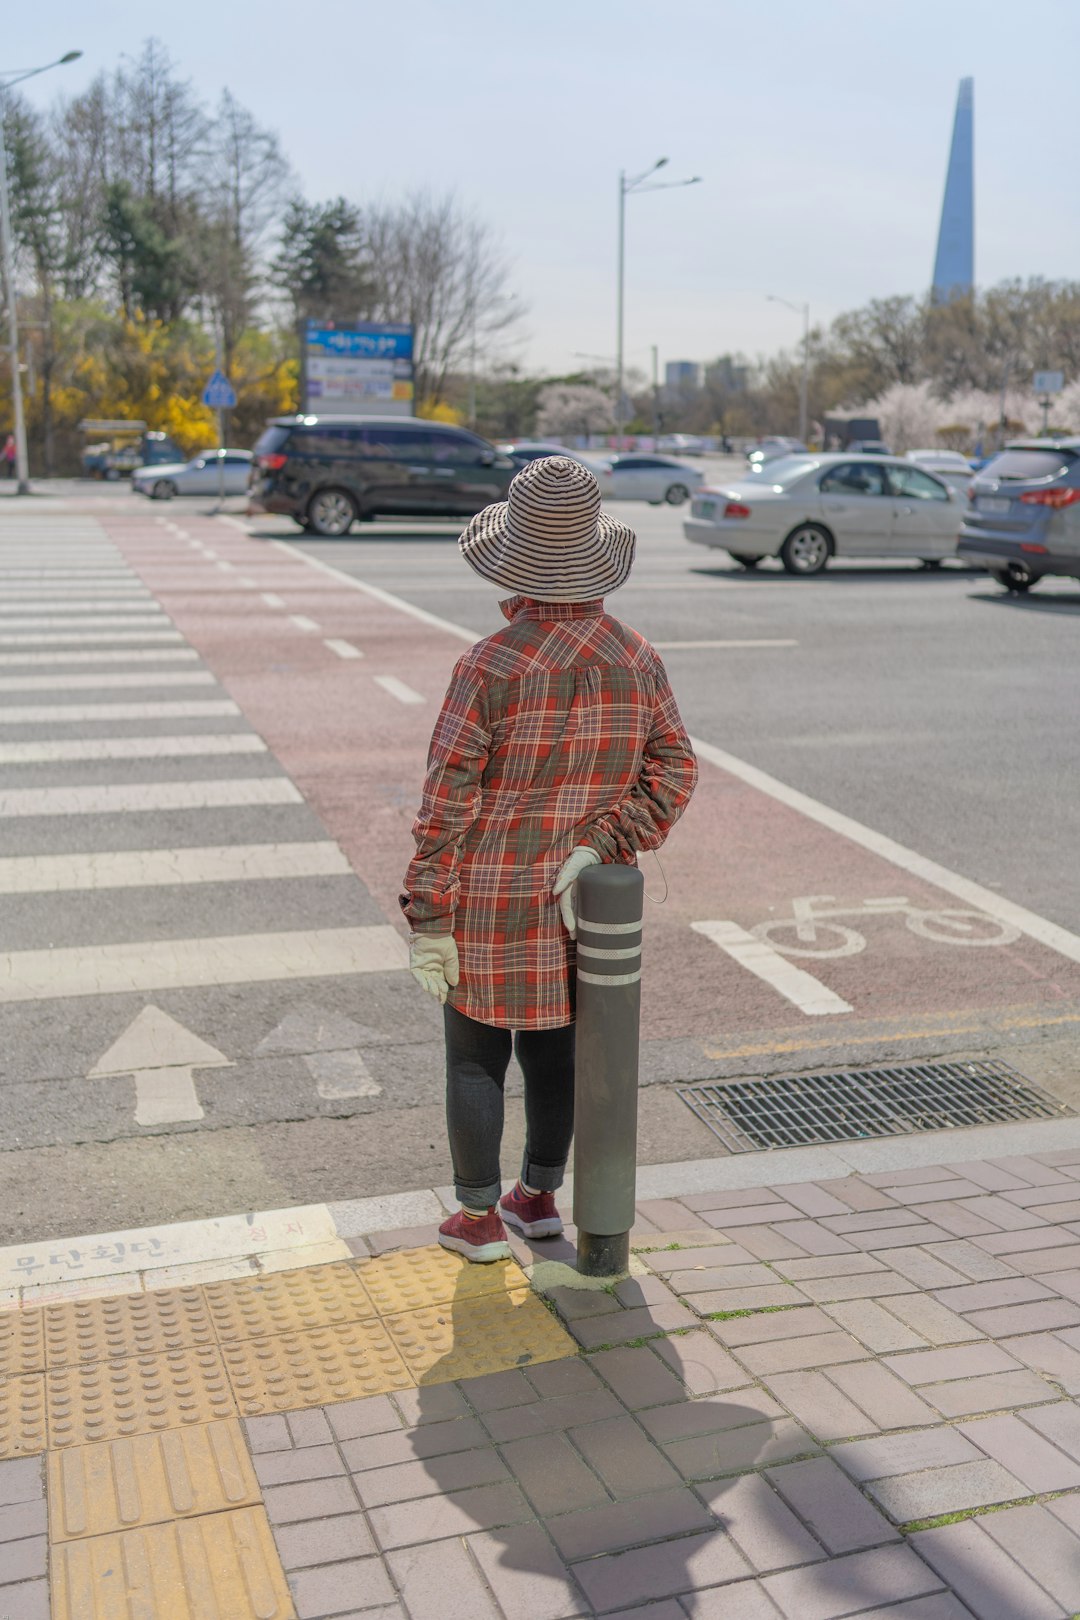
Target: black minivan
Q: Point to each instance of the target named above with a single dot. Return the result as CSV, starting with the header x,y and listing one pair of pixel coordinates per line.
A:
x,y
325,472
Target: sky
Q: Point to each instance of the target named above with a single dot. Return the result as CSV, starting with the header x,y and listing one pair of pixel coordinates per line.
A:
x,y
820,132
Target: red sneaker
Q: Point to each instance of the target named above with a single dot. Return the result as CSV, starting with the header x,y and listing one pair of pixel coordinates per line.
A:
x,y
536,1217
482,1241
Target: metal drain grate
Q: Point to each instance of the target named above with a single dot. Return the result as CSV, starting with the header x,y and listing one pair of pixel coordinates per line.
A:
x,y
756,1114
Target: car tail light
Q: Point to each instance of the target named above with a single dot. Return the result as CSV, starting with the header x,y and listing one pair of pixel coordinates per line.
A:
x,y
1056,498
735,509
1028,546
272,463
971,492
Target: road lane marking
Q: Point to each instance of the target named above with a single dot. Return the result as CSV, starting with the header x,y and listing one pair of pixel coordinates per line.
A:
x,y
173,964
795,984
59,713
397,602
163,868
273,601
157,655
344,649
398,689
667,646
118,798
1028,922
77,622
226,567
302,622
338,1075
65,681
8,639
160,1055
74,590
73,748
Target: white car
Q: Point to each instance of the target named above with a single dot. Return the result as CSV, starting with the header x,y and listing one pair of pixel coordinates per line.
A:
x,y
806,509
772,449
198,477
949,465
653,478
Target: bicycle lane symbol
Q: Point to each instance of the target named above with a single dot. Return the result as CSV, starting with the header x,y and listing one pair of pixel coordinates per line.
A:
x,y
814,928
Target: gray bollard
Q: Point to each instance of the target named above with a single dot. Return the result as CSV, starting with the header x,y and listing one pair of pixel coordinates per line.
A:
x,y
608,908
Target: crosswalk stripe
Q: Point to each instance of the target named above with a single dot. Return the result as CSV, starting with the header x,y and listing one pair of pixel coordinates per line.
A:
x,y
208,742
58,713
55,637
130,655
104,970
146,868
68,621
67,607
77,590
68,682
118,798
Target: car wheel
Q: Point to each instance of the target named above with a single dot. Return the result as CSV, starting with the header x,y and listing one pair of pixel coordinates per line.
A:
x,y
743,559
677,494
163,490
806,550
1015,577
331,512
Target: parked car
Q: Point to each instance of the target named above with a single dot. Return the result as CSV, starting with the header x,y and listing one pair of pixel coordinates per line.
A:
x,y
772,449
682,444
948,465
201,476
653,478
1024,517
325,472
867,447
806,509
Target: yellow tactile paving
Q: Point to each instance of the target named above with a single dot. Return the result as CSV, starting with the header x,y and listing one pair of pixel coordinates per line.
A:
x,y
288,1302
22,1415
126,1325
223,1566
339,1363
488,1334
22,1342
409,1279
104,1400
149,1479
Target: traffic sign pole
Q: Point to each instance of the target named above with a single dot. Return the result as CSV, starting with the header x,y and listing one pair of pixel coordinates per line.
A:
x,y
220,395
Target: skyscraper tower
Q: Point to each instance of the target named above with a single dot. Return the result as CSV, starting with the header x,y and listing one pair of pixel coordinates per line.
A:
x,y
954,264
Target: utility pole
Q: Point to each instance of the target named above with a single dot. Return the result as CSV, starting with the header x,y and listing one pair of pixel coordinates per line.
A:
x,y
655,394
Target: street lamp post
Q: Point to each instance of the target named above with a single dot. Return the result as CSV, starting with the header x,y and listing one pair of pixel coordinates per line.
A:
x,y
804,381
7,257
626,186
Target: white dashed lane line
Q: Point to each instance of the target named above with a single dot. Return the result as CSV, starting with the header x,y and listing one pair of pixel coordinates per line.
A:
x,y
344,649
398,689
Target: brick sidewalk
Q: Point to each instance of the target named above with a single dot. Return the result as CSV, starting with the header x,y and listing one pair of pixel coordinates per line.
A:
x,y
836,1398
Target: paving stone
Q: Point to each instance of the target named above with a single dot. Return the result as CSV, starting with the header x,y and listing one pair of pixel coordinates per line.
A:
x,y
836,1511
25,1560
968,1361
27,1601
748,1405
843,1586
700,1362
667,1214
813,1199
459,1513
817,1239
544,1417
1008,1243
669,1610
1034,1262
819,1406
432,1403
612,1526
739,1600
961,1397
309,1428
1067,1509
633,1291
711,1455
883,1220
661,1571
933,1174
978,1265
837,1265
1030,1170
1059,1423
882,1396
637,1376
768,1243
766,1531
636,1324
1044,1547
938,1606
22,1479
1037,1463
351,1419
873,1326
703,1279
890,1454
1046,1353
1005,1216
713,1253
627,1462
795,1324
403,1237
287,1467
1038,1316
991,1177
526,1574
409,1445
735,1198
324,1542
792,1355
935,1322
492,1392
929,1192
456,1471
961,1222
21,1519
857,1194
1063,1283
571,1376
902,1237
1061,1212
723,1300
988,1295
982,1574
933,1491
270,1433
286,1504
873,1285
552,1474
920,1267
441,1582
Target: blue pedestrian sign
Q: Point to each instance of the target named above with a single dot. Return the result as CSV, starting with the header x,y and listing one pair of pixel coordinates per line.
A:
x,y
219,393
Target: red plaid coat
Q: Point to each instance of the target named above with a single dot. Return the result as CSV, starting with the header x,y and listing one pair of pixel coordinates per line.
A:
x,y
560,730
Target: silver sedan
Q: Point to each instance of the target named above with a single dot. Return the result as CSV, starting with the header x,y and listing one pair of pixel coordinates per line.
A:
x,y
201,476
653,478
806,509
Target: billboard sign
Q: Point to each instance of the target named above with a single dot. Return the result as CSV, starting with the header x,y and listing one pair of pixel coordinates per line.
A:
x,y
363,370
1049,382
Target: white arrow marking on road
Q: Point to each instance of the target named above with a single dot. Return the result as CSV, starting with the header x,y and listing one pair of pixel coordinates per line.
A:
x,y
341,1074
160,1054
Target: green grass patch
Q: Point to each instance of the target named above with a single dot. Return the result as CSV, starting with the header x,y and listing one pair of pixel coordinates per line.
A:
x,y
973,1513
752,1310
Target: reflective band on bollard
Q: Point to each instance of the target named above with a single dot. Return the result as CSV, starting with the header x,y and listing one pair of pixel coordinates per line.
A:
x,y
608,908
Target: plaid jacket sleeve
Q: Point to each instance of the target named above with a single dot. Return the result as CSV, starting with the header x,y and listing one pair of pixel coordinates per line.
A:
x,y
450,803
665,782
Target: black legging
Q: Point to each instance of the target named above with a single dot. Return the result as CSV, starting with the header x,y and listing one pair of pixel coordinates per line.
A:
x,y
477,1057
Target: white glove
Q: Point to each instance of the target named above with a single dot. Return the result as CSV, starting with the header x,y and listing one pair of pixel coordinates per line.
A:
x,y
563,887
433,963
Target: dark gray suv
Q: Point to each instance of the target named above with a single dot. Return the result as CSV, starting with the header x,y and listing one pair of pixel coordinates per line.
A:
x,y
1024,517
325,472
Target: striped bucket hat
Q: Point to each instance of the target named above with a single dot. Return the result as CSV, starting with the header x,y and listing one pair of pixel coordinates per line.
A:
x,y
549,539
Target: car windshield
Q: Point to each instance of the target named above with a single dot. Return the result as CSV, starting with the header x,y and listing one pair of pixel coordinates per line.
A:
x,y
786,470
1022,465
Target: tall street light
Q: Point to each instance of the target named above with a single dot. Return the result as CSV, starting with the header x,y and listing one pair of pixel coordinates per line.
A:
x,y
22,470
804,384
634,184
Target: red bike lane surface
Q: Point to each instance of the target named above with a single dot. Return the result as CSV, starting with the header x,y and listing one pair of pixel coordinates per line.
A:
x,y
739,856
